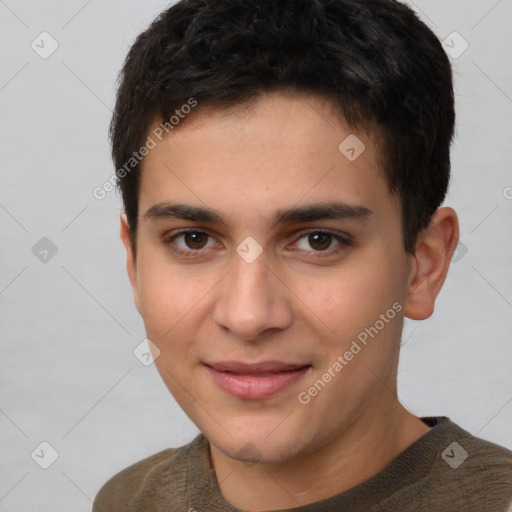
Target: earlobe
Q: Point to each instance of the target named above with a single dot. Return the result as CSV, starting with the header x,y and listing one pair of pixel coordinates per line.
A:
x,y
131,264
434,250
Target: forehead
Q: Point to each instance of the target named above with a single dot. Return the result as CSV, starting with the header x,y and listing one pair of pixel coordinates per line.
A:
x,y
253,159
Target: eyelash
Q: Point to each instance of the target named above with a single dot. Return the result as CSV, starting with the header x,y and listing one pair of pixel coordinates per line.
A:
x,y
344,241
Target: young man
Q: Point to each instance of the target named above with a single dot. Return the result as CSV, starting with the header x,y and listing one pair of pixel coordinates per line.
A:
x,y
282,165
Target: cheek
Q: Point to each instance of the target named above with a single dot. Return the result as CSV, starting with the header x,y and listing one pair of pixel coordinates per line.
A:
x,y
346,300
166,293
160,308
174,306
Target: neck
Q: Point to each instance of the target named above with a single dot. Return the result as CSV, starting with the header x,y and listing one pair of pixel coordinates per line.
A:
x,y
347,460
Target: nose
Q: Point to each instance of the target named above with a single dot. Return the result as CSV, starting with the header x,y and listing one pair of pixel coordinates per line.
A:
x,y
253,299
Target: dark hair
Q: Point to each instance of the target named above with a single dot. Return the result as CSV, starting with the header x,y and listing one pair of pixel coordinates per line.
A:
x,y
373,59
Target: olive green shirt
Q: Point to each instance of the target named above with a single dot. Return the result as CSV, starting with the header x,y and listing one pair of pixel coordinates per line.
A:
x,y
446,470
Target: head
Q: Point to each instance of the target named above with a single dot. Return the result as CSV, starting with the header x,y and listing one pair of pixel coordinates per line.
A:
x,y
374,61
304,145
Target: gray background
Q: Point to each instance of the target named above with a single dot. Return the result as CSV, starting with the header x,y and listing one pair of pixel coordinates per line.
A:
x,y
68,324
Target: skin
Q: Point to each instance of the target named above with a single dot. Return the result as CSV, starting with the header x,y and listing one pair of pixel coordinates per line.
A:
x,y
298,302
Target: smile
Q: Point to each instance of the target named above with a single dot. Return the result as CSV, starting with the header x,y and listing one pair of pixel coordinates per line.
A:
x,y
256,382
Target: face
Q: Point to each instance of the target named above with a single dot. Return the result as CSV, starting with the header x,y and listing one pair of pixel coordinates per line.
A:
x,y
271,274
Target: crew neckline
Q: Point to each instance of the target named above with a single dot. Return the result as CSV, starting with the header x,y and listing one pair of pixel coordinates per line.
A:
x,y
410,465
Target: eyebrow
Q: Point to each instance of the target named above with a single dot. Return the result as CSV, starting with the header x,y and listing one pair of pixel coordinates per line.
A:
x,y
307,213
185,212
321,211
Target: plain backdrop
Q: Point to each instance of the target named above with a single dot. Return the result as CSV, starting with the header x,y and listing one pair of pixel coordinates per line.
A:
x,y
68,374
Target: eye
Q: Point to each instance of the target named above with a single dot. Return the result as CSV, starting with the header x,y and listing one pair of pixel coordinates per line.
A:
x,y
193,240
322,241
187,242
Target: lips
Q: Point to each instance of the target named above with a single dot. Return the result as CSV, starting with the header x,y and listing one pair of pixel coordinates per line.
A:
x,y
256,381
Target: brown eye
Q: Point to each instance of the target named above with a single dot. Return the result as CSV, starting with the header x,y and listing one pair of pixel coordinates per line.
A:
x,y
195,239
190,244
320,241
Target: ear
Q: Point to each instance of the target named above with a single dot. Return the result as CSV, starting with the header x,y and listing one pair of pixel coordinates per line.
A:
x,y
131,263
430,262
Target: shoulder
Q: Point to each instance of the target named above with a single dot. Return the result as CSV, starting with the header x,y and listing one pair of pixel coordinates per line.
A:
x,y
476,455
118,493
470,468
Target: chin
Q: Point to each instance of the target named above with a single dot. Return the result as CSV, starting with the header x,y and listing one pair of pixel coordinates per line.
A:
x,y
262,441
253,451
